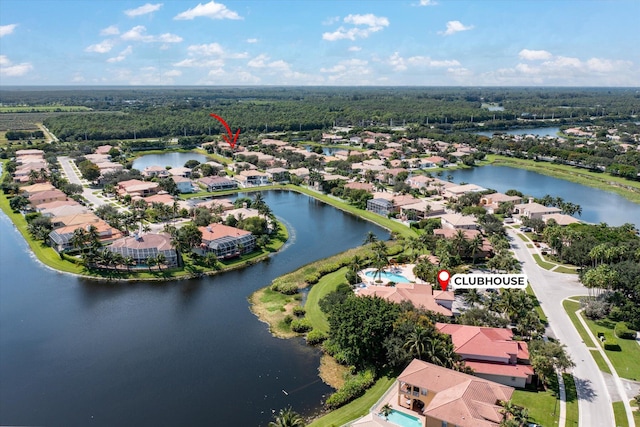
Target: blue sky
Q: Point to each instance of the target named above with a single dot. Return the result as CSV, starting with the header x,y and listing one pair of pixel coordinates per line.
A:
x,y
314,42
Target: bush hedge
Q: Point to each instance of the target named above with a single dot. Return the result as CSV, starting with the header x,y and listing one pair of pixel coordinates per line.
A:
x,y
316,337
301,325
299,311
611,344
622,331
353,388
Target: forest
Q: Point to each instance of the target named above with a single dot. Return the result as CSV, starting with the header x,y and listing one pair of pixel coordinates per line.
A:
x,y
151,112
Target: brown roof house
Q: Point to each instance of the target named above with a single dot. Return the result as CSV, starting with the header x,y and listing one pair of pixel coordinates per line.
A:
x,y
142,246
226,241
420,295
491,353
449,398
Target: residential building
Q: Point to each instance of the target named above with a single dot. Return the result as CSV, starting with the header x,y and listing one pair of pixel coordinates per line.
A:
x,y
184,185
380,206
155,171
251,178
141,247
277,174
182,172
420,295
225,241
422,209
458,221
533,210
458,190
135,187
216,183
491,353
560,219
41,197
29,190
449,398
61,238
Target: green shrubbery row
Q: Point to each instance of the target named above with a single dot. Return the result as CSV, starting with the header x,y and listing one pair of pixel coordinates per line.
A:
x,y
353,388
622,331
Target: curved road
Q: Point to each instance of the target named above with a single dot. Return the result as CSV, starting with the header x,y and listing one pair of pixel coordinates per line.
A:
x,y
551,289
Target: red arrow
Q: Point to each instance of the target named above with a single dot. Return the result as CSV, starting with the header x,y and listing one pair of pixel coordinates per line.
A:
x,y
231,138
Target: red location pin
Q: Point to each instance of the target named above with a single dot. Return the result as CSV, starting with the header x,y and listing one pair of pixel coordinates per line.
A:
x,y
443,279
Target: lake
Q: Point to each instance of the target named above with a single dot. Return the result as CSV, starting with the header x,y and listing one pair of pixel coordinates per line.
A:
x,y
79,352
597,205
174,159
542,132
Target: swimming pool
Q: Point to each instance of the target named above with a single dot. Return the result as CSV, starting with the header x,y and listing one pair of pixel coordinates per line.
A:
x,y
403,420
387,276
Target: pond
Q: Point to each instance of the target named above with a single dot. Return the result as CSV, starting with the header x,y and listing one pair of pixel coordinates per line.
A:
x,y
79,352
597,205
175,160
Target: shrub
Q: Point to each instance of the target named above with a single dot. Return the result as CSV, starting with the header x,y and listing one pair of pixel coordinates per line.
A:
x,y
285,288
622,331
288,319
301,325
611,344
352,277
354,387
316,337
299,311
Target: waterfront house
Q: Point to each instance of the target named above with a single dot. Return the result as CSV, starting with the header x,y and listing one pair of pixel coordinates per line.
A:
x,y
491,353
29,190
277,174
458,190
61,238
251,178
560,219
422,209
142,246
183,184
181,171
225,241
155,172
217,183
534,210
449,398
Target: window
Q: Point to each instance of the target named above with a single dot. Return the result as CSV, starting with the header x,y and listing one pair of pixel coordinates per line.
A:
x,y
424,391
444,424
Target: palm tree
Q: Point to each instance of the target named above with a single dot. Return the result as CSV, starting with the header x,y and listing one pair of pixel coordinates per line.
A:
x,y
460,242
475,246
417,342
79,238
370,238
287,418
386,410
161,259
151,261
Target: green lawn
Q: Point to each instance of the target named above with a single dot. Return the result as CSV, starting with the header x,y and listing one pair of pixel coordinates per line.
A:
x,y
539,309
572,400
566,270
327,284
625,362
541,263
357,408
620,414
543,406
602,365
571,307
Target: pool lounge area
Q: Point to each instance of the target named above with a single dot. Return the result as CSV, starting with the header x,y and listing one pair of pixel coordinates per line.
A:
x,y
402,273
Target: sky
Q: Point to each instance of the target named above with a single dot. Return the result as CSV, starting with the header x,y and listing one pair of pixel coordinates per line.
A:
x,y
320,42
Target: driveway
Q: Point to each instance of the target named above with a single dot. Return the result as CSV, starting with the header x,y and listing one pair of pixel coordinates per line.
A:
x,y
551,288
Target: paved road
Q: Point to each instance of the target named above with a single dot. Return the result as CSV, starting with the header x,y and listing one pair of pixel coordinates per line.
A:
x,y
551,288
74,178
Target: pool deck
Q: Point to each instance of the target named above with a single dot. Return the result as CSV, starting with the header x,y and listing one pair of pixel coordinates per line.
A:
x,y
390,398
405,270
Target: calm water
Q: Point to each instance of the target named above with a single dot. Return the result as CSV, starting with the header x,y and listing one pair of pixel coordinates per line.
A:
x,y
78,352
597,205
175,160
550,131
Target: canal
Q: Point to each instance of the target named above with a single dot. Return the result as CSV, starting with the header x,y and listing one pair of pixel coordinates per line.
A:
x,y
77,352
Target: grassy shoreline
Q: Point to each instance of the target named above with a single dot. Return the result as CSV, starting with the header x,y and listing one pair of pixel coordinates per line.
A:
x,y
630,190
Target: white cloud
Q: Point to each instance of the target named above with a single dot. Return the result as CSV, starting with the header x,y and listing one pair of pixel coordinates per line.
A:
x,y
350,71
139,33
111,30
5,30
210,10
398,63
143,10
206,49
534,55
122,55
9,69
102,47
355,49
363,27
332,20
210,55
199,63
259,61
455,27
427,3
252,40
